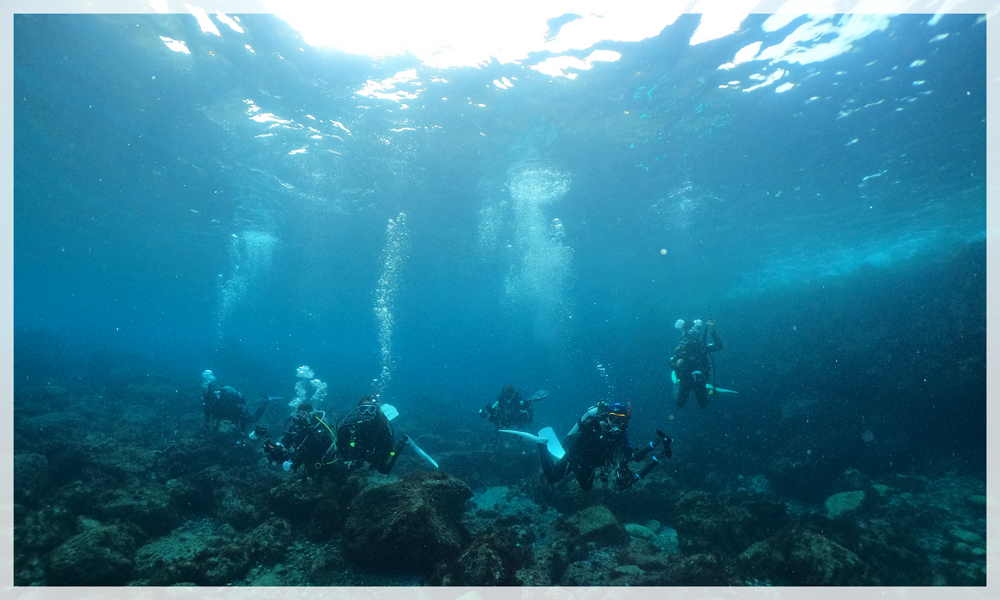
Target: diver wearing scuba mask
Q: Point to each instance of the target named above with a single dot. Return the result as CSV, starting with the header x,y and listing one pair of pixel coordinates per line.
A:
x,y
600,440
690,361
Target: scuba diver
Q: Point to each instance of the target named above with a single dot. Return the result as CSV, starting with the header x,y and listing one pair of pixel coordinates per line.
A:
x,y
364,436
511,409
307,442
691,362
599,440
227,404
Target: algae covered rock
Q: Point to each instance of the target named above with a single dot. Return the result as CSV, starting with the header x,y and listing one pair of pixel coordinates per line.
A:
x,y
594,524
640,531
104,555
148,506
31,477
698,570
801,557
844,502
411,525
494,558
708,524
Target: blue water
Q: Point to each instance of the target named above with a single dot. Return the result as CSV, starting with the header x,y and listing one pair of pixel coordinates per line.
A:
x,y
546,235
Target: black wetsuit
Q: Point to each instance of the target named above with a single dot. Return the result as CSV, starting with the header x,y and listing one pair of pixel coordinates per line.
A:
x,y
510,410
591,445
227,404
693,373
594,443
306,443
362,440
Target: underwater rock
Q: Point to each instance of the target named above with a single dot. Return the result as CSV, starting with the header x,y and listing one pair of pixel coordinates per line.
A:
x,y
595,570
800,557
182,556
208,555
493,558
42,530
267,541
237,497
844,502
185,457
884,544
546,569
646,555
185,496
640,531
410,525
593,524
117,460
296,499
697,570
104,555
326,520
147,506
707,524
31,477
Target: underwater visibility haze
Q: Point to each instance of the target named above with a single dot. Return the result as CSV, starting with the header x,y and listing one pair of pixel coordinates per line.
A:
x,y
226,192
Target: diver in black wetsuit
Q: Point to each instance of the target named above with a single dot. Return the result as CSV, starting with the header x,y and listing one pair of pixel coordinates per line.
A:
x,y
226,404
691,363
307,442
365,437
600,440
511,409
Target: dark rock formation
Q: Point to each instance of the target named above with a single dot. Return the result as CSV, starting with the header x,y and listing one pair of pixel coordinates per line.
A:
x,y
104,555
411,525
800,557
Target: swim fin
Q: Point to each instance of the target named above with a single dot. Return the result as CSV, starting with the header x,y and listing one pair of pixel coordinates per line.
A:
x,y
389,411
555,448
525,435
546,436
540,395
720,390
422,453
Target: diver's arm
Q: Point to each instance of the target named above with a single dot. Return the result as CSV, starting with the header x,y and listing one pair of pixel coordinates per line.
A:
x,y
716,344
661,437
676,359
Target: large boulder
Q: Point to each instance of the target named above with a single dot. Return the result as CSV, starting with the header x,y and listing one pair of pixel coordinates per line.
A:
x,y
594,524
411,525
103,555
844,503
494,558
800,557
149,506
708,524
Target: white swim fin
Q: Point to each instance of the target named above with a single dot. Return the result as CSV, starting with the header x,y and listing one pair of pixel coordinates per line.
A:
x,y
720,390
421,452
546,436
525,435
552,442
